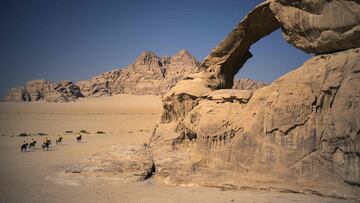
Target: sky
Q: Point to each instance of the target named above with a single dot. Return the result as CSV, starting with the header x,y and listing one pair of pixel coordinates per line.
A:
x,y
77,39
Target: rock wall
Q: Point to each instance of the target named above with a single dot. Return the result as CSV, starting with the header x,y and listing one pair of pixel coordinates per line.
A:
x,y
248,84
149,74
36,90
299,134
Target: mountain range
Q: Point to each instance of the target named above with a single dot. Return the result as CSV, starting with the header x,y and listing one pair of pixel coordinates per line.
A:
x,y
149,74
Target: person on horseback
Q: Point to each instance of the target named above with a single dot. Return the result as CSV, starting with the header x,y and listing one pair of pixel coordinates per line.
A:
x,y
32,144
46,144
24,146
58,141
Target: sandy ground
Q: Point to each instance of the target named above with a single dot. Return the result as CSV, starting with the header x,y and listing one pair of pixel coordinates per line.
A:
x,y
126,119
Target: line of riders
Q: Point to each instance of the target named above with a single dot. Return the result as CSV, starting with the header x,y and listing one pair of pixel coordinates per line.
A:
x,y
46,144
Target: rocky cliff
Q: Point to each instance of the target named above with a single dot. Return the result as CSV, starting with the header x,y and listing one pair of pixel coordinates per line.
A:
x,y
149,74
248,84
36,90
301,133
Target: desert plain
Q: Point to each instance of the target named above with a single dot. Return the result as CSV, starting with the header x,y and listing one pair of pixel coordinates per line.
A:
x,y
125,120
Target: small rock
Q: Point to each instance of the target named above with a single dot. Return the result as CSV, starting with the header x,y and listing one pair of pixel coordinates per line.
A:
x,y
42,134
23,135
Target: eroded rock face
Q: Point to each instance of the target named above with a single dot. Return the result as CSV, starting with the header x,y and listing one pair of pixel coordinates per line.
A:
x,y
310,25
300,133
37,90
319,26
248,84
122,163
149,74
100,85
225,60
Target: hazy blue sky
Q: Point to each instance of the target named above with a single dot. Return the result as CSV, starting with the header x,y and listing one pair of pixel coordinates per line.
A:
x,y
77,39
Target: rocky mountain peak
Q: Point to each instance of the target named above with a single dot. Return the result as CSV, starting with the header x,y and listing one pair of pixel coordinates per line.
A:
x,y
146,58
183,52
184,56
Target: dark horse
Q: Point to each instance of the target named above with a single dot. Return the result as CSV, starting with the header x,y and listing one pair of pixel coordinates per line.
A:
x,y
32,144
78,138
58,141
46,145
24,147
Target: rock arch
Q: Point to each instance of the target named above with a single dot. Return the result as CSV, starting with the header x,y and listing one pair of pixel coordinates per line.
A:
x,y
314,26
300,22
225,60
282,136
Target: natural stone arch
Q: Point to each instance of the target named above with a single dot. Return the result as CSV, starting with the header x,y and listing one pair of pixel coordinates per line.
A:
x,y
304,23
226,59
313,26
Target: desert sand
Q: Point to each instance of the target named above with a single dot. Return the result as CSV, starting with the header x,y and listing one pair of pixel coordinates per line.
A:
x,y
125,119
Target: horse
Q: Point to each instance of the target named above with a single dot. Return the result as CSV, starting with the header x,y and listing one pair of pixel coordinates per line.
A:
x,y
78,138
46,145
32,144
24,147
58,141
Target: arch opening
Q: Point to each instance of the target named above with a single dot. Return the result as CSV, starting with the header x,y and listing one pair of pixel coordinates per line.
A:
x,y
272,58
226,59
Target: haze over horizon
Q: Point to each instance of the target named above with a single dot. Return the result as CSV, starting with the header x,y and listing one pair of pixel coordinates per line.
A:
x,y
75,40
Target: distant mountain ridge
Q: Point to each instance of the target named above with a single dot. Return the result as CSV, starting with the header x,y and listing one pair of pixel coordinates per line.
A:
x,y
149,74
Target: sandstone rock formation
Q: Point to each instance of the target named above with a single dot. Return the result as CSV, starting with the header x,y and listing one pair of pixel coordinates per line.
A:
x,y
299,134
319,26
36,90
124,163
248,84
149,74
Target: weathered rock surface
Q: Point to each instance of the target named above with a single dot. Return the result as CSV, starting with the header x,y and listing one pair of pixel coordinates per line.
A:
x,y
149,74
319,26
313,26
248,84
36,90
124,163
99,85
297,135
300,134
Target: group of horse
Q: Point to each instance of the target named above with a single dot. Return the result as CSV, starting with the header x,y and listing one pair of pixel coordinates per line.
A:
x,y
46,144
